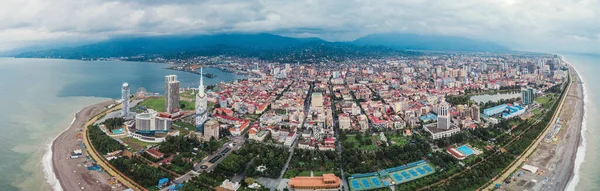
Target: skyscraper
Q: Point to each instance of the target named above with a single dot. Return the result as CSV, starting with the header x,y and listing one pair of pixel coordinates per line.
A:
x,y
443,116
527,96
201,106
475,112
172,94
125,99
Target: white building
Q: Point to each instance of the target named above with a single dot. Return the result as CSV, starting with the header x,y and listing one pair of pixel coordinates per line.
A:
x,y
152,121
437,133
201,105
125,99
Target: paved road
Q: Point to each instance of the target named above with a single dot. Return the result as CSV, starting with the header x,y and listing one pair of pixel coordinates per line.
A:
x,y
198,167
100,159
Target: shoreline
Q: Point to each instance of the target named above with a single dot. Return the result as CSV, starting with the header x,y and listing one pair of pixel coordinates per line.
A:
x,y
48,163
71,174
580,151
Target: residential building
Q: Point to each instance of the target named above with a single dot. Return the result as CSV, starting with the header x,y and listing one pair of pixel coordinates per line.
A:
x,y
475,112
151,121
316,99
125,99
527,96
171,94
211,129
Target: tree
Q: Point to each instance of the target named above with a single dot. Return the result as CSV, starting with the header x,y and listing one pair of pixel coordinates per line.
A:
x,y
249,181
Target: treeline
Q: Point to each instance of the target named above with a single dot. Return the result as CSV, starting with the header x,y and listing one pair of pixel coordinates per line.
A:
x,y
136,169
313,160
271,156
102,142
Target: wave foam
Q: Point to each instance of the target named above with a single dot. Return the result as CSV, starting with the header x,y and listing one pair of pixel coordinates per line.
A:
x,y
581,150
48,165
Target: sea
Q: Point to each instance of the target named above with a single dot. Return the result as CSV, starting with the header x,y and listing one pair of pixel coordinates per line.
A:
x,y
587,163
39,98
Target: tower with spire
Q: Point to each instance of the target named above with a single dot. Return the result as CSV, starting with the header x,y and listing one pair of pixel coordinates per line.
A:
x,y
201,106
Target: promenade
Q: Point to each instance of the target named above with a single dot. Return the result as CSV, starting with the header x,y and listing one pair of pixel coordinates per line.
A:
x,y
524,157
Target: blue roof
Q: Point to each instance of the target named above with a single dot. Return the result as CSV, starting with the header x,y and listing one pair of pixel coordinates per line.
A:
x,y
163,181
494,110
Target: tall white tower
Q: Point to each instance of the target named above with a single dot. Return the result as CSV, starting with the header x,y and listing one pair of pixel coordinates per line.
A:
x,y
201,106
125,99
443,116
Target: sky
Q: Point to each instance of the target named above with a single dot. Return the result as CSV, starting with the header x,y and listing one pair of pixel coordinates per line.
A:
x,y
534,25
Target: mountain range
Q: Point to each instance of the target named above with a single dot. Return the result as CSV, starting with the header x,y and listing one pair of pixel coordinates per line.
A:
x,y
264,46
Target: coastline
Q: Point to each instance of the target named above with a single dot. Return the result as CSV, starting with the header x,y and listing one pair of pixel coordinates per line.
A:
x,y
579,157
71,174
47,162
555,160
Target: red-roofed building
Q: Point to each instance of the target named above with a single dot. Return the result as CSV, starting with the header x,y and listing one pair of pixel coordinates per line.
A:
x,y
155,153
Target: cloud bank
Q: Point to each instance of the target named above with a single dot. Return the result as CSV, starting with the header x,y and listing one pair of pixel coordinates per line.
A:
x,y
541,25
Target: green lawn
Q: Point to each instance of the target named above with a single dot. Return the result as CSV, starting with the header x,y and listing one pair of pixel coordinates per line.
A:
x,y
188,94
134,143
542,99
158,104
184,127
357,144
399,139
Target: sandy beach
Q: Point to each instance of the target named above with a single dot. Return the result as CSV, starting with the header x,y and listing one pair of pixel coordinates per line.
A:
x,y
556,159
71,173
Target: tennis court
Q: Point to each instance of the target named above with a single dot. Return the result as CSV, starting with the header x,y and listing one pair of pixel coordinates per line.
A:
x,y
395,175
365,183
410,174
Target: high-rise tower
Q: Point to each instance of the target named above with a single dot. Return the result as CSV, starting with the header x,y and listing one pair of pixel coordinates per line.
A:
x,y
444,116
201,106
172,94
125,99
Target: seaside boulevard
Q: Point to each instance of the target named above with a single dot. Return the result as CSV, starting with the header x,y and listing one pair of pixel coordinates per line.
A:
x,y
556,160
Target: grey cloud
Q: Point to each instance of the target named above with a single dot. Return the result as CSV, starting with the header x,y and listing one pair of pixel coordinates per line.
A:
x,y
531,24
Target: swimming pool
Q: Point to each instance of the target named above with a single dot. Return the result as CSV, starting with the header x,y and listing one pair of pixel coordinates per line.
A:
x,y
465,150
118,131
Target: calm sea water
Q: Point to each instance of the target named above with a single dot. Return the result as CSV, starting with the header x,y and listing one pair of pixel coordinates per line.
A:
x,y
587,172
40,96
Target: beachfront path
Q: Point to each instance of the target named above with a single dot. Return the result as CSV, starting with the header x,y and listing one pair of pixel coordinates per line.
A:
x,y
556,160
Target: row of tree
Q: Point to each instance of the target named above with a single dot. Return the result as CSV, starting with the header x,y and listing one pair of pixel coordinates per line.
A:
x,y
136,169
102,142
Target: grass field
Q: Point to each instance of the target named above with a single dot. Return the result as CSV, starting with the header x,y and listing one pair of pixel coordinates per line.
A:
x,y
399,139
158,104
542,99
357,144
135,144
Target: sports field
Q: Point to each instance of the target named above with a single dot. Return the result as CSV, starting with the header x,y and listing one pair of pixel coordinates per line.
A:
x,y
395,175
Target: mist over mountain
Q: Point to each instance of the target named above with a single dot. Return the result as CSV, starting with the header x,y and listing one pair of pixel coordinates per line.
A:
x,y
264,46
428,42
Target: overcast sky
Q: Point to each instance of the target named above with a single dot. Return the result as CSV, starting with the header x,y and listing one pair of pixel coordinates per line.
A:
x,y
539,25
